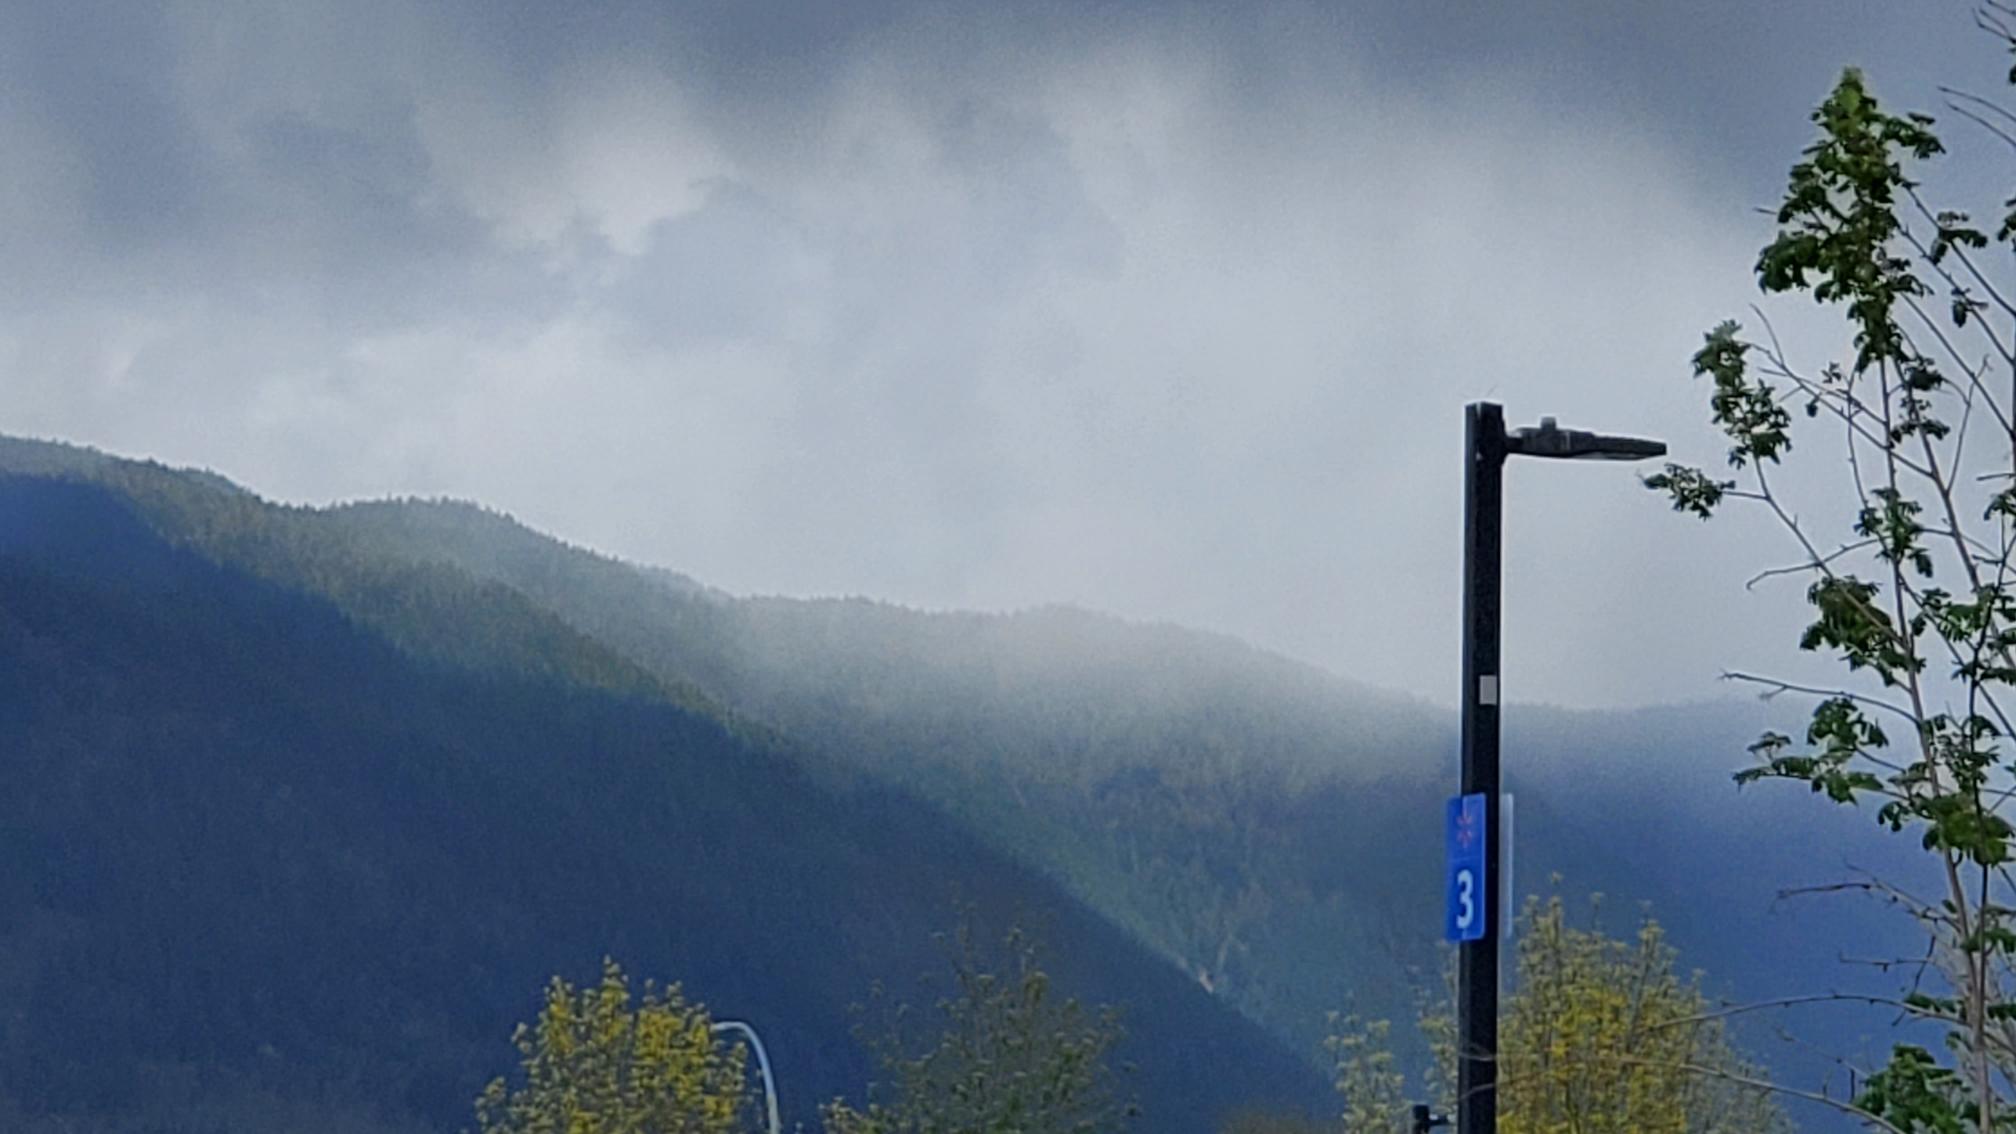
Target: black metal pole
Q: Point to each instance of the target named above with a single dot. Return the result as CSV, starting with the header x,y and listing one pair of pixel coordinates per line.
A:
x,y
1477,961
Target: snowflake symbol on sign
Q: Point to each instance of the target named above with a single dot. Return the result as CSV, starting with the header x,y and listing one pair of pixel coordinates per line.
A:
x,y
1466,827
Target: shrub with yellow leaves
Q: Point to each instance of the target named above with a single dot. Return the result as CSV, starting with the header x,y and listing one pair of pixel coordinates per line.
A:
x,y
597,1063
1600,1035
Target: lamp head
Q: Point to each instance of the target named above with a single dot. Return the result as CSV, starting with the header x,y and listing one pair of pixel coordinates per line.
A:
x,y
1550,440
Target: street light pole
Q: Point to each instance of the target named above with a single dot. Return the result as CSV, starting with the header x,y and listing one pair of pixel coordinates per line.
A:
x,y
1486,445
1477,961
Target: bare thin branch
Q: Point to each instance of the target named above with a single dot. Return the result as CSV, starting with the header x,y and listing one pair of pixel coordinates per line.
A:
x,y
1755,1083
1806,568
1775,686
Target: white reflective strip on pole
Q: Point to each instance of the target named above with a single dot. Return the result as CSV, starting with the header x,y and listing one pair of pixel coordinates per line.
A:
x,y
1507,892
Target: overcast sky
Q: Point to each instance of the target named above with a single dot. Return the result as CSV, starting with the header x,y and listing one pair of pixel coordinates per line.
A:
x,y
1165,310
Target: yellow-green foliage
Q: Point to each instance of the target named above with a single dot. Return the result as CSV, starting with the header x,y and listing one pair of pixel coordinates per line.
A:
x,y
1013,1058
597,1064
1599,1036
1604,1036
1369,1078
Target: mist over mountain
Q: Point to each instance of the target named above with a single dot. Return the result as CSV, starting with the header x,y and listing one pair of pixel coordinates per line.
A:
x,y
314,800
269,865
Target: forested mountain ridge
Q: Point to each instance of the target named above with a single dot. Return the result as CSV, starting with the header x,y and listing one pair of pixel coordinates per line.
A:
x,y
1136,765
1174,780
1269,830
270,869
430,612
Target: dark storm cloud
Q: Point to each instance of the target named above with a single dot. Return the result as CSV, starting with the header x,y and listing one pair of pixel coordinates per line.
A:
x,y
101,83
177,173
1166,309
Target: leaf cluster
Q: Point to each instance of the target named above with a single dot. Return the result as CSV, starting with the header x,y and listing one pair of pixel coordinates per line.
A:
x,y
599,1061
1010,1057
1600,1035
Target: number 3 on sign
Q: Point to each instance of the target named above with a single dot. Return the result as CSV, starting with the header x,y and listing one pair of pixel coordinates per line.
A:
x,y
1469,907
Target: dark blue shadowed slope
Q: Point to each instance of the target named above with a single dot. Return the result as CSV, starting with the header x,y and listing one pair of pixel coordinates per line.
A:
x,y
254,848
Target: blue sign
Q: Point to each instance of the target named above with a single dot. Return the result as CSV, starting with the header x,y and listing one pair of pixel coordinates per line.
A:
x,y
1469,906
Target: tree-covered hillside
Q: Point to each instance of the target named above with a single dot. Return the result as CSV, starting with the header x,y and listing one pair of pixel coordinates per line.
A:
x,y
1270,832
1270,829
1213,799
267,865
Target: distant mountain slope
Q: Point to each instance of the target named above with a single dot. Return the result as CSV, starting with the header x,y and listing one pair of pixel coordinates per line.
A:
x,y
1271,831
1015,725
263,861
432,612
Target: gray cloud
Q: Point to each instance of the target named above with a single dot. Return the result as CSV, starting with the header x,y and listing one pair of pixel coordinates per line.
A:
x,y
1167,310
